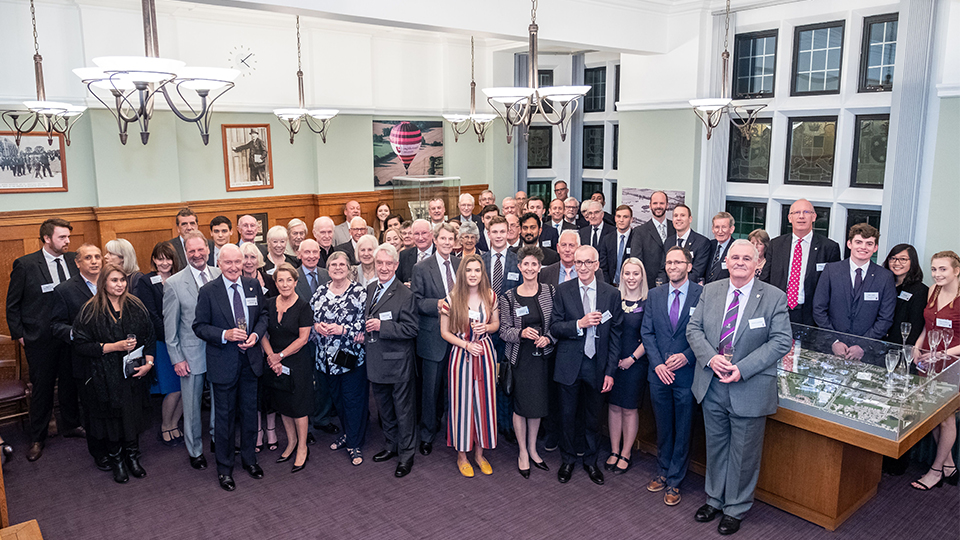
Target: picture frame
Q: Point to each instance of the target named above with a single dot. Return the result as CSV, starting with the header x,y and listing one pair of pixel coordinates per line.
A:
x,y
21,165
247,156
263,224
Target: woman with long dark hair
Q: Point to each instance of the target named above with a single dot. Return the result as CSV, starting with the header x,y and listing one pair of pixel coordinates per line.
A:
x,y
904,262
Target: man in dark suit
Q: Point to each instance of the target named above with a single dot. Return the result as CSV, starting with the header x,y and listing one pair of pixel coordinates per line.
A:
x,y
593,233
555,220
433,278
358,228
186,223
390,345
565,269
615,248
311,277
231,316
571,213
486,214
247,227
422,249
221,233
466,204
587,315
738,332
856,296
685,237
722,239
30,299
608,218
795,261
71,295
323,234
664,337
532,235
649,238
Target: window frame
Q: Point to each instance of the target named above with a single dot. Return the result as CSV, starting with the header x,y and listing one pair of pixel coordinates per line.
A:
x,y
840,23
856,148
602,96
616,146
862,86
733,126
774,33
757,205
603,150
788,154
549,131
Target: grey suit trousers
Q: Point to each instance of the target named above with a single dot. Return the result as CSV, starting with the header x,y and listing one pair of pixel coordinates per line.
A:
x,y
191,391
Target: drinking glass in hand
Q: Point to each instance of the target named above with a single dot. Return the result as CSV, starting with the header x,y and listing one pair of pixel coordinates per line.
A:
x,y
537,351
132,338
242,324
728,354
372,336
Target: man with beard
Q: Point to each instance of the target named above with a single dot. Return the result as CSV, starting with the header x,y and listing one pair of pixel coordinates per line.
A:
x,y
648,239
530,235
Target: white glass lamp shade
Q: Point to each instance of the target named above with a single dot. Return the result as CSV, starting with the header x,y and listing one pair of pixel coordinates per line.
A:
x,y
563,94
323,114
508,95
143,69
483,118
47,107
456,118
709,105
289,114
206,78
98,78
74,110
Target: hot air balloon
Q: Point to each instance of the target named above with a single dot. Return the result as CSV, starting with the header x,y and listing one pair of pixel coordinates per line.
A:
x,y
405,139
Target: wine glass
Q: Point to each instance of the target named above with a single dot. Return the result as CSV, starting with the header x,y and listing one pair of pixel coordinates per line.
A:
x,y
947,335
892,359
242,324
934,336
537,351
905,329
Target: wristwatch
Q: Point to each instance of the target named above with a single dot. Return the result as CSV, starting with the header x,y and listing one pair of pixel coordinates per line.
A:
x,y
281,356
635,359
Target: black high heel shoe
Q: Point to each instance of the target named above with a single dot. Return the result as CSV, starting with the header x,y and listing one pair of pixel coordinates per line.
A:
x,y
288,457
541,465
298,468
924,487
952,479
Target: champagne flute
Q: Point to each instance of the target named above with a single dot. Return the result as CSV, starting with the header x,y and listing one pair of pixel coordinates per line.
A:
x,y
537,351
892,359
947,335
905,329
242,324
935,336
728,354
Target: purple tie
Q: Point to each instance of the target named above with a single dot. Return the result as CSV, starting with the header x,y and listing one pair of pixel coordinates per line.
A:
x,y
730,323
238,311
203,276
450,280
675,309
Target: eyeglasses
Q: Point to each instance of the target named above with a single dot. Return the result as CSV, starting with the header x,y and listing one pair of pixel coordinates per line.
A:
x,y
583,263
899,260
803,213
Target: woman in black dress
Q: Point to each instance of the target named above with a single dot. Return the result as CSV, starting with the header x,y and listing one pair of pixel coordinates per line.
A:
x,y
289,381
525,314
904,262
110,326
628,380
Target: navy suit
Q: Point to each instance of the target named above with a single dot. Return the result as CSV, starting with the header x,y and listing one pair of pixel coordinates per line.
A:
x,y
699,247
673,403
867,312
609,246
232,372
586,234
549,237
648,247
511,269
717,268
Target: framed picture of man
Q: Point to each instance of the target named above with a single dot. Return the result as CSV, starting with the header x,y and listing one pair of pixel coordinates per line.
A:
x,y
247,156
33,167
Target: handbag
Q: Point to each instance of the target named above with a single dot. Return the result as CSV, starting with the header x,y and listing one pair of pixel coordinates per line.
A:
x,y
346,360
505,377
282,382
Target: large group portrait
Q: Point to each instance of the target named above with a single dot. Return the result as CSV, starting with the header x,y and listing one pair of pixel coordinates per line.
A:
x,y
34,166
247,156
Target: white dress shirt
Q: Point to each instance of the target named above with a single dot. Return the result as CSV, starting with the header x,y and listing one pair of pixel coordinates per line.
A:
x,y
853,273
805,250
744,296
443,271
52,266
196,275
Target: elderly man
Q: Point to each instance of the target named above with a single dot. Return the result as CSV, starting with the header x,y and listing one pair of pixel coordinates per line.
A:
x,y
513,231
422,249
323,234
571,213
722,239
358,228
486,198
521,198
296,233
248,228
738,332
466,205
186,223
509,205
437,210
596,229
390,347
341,233
649,238
602,199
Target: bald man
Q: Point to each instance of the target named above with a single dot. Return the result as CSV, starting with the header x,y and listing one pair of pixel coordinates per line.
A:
x,y
341,233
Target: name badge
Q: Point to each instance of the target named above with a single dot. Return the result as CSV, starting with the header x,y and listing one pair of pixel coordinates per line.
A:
x,y
252,301
272,271
47,287
904,295
871,296
757,323
944,323
386,316
284,370
605,317
156,279
821,266
513,276
523,310
264,289
723,266
692,310
474,315
546,243
626,251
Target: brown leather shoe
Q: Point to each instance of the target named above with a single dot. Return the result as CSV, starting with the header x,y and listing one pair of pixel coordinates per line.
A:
x,y
657,484
35,451
671,497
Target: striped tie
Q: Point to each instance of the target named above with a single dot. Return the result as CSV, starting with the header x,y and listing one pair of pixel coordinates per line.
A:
x,y
730,323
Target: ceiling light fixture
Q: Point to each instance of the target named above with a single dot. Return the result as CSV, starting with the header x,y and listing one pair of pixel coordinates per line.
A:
x,y
462,122
292,118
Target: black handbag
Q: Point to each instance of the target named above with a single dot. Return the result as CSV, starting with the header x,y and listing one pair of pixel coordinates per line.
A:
x,y
282,382
505,377
346,360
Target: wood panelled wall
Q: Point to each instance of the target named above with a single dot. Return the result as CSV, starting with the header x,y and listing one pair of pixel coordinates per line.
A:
x,y
145,225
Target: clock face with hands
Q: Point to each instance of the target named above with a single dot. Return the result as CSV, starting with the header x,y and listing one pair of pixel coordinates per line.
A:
x,y
243,59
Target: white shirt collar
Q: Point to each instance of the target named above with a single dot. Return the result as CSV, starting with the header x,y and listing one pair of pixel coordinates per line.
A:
x,y
685,236
806,238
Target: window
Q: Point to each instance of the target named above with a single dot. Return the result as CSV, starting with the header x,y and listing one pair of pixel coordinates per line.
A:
x,y
596,79
616,145
811,143
820,226
540,188
816,59
747,216
589,187
749,158
613,196
754,65
870,150
616,89
592,147
854,216
878,53
540,147
545,77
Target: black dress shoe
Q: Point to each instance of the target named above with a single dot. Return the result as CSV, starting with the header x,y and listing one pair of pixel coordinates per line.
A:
x,y
226,482
199,463
332,429
706,513
254,471
213,447
426,448
728,525
75,433
311,439
403,469
103,463
35,451
384,455
541,465
565,472
595,474
524,472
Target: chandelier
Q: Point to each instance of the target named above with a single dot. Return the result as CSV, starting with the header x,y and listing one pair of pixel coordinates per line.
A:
x,y
134,81
318,120
49,116
518,106
462,122
710,110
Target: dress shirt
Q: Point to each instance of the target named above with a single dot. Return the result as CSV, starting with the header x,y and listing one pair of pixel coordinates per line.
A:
x,y
661,228
426,253
196,275
493,262
557,226
441,262
229,285
853,273
383,288
90,285
744,297
683,296
685,238
563,272
514,245
52,265
805,248
591,298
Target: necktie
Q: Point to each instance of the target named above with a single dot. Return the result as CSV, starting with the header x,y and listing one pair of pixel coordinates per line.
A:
x,y
450,280
61,273
616,277
675,309
662,230
312,275
593,241
421,256
793,283
857,282
238,311
716,256
566,274
498,274
203,276
376,295
730,323
590,345
679,242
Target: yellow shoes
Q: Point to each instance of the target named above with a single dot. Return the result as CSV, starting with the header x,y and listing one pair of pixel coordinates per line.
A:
x,y
467,470
485,467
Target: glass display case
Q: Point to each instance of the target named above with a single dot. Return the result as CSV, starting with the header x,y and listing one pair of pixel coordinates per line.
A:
x,y
881,388
412,193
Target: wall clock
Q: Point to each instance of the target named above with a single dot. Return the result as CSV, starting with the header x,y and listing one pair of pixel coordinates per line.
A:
x,y
243,59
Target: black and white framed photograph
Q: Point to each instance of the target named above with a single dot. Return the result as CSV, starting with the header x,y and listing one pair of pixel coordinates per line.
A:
x,y
247,159
35,166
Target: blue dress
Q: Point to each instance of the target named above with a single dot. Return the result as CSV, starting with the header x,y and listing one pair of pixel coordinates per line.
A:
x,y
629,384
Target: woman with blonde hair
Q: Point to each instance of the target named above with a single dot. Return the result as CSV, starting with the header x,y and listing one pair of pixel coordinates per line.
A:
x,y
277,242
120,252
296,233
364,272
253,266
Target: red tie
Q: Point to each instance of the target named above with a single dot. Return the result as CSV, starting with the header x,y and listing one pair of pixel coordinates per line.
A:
x,y
793,284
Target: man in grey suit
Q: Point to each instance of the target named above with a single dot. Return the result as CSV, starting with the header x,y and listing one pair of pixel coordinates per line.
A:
x,y
341,233
390,345
188,353
311,277
740,329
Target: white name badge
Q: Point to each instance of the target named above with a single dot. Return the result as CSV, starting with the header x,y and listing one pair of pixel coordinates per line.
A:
x,y
513,276
723,266
757,323
821,266
272,271
692,310
156,279
474,315
627,251
252,301
944,323
47,287
605,317
386,316
284,370
523,310
904,295
546,243
871,296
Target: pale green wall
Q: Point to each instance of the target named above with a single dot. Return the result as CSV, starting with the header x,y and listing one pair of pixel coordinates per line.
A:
x,y
943,228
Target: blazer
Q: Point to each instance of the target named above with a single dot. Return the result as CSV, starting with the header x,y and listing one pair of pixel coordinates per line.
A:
x,y
564,226
341,233
698,246
867,312
214,315
511,325
408,259
179,311
586,232
910,303
718,270
511,268
151,294
428,290
347,247
551,274
71,295
177,246
567,309
776,271
303,284
756,350
608,253
549,237
390,359
28,305
661,340
648,247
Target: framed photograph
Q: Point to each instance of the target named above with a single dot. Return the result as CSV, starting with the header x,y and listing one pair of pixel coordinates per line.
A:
x,y
262,227
247,159
401,148
639,200
35,166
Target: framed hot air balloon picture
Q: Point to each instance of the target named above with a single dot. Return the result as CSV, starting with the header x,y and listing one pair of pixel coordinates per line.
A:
x,y
406,148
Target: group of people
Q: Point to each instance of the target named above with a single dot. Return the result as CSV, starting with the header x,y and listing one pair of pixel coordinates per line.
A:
x,y
521,320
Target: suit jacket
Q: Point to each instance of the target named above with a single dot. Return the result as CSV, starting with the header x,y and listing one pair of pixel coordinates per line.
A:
x,y
609,245
717,270
177,246
179,311
609,219
408,258
756,350
28,306
776,271
214,315
698,246
303,284
564,226
427,290
648,247
586,233
567,309
836,306
211,259
390,359
510,269
549,237
551,274
151,294
661,340
348,248
341,233
71,295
